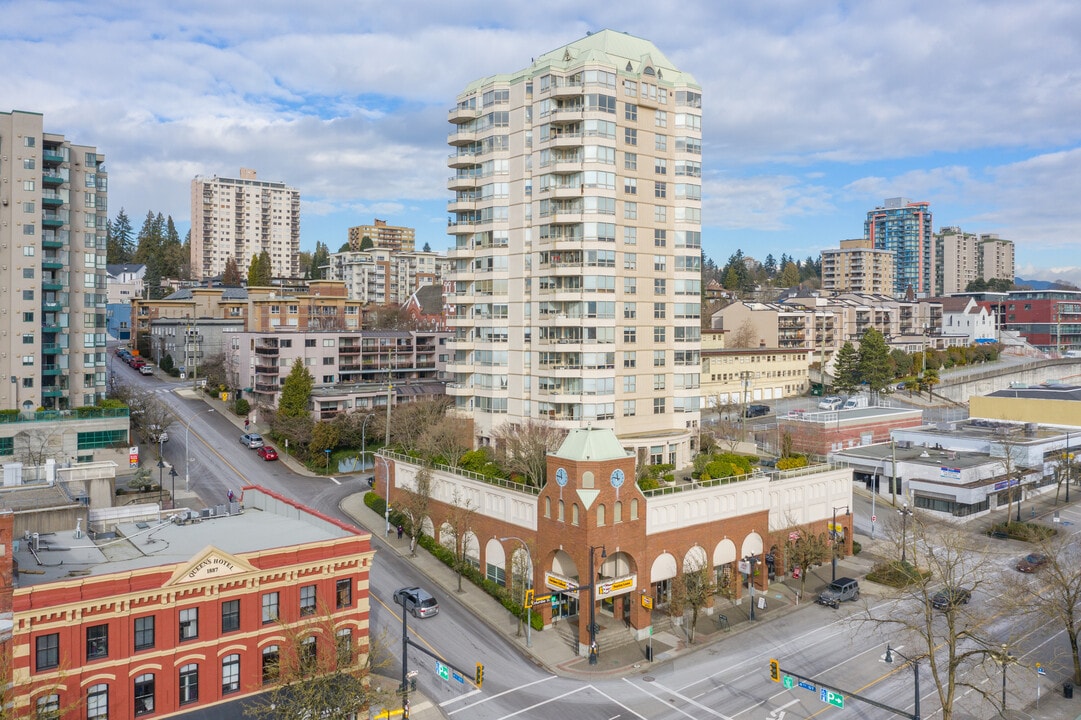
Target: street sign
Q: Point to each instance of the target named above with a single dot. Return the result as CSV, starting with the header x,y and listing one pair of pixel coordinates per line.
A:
x,y
1040,670
442,670
828,696
807,685
874,518
459,678
543,600
788,681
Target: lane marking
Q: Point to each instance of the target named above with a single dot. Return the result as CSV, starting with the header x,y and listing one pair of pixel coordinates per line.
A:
x,y
497,695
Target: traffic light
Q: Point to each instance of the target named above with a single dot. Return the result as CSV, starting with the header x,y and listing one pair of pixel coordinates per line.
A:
x,y
774,671
479,679
528,598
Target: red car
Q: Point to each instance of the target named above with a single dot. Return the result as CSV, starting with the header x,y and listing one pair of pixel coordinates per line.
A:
x,y
267,453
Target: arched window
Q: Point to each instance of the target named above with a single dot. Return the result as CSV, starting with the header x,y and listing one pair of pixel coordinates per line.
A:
x,y
230,674
270,664
600,515
561,517
617,512
48,707
144,695
547,507
97,702
574,513
189,684
634,508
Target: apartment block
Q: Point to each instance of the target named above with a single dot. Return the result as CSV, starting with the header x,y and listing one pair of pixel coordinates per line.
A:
x,y
53,219
383,236
996,258
351,371
904,227
576,229
956,257
858,267
239,218
385,276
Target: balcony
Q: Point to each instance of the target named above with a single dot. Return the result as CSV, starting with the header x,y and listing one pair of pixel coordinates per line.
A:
x,y
565,140
52,156
51,305
51,221
51,283
264,350
51,369
52,201
266,369
52,179
266,388
52,241
462,182
566,89
52,392
463,160
463,114
462,137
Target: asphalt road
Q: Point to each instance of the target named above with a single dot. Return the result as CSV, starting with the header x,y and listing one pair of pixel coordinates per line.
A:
x,y
728,679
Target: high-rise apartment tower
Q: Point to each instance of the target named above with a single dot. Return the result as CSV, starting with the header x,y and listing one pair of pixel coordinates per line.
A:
x,y
576,261
53,218
239,219
904,227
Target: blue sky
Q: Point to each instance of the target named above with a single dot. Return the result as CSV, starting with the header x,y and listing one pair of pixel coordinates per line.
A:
x,y
814,112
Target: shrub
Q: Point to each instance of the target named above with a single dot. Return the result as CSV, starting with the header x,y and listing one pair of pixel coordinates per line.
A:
x,y
649,483
897,574
241,407
795,461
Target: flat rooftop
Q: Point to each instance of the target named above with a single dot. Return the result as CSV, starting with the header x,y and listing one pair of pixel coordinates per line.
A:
x,y
919,455
266,521
991,430
853,416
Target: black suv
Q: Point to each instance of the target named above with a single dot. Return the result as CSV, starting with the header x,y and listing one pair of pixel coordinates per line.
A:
x,y
756,411
948,598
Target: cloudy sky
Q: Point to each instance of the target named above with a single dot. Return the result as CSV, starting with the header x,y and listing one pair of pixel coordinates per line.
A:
x,y
813,112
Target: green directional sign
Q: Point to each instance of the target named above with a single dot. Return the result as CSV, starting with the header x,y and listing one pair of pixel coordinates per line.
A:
x,y
788,681
833,698
442,671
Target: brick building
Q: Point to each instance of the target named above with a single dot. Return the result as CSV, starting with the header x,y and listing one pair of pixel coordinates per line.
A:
x,y
820,433
151,616
592,514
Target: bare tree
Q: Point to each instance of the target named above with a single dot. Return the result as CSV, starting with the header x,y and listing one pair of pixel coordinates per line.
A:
x,y
697,588
414,505
744,336
448,439
949,568
1013,472
33,447
803,547
521,565
409,421
1065,471
523,448
1056,597
460,520
318,673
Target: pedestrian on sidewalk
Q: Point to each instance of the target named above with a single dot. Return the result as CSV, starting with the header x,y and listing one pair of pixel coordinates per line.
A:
x,y
400,531
231,496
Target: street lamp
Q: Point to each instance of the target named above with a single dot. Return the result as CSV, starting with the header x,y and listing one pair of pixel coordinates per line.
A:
x,y
593,602
752,559
161,480
1005,659
172,492
904,512
364,439
529,606
386,509
915,669
187,451
833,536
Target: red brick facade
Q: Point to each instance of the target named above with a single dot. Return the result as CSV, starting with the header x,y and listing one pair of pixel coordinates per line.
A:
x,y
95,642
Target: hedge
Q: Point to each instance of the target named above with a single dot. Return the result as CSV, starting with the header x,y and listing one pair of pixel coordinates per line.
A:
x,y
497,591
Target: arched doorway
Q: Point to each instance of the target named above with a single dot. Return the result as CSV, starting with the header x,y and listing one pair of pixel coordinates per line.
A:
x,y
661,574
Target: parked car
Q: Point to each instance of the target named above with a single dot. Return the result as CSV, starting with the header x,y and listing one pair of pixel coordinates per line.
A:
x,y
830,403
267,453
251,440
417,602
1032,562
950,597
146,369
839,591
756,411
854,402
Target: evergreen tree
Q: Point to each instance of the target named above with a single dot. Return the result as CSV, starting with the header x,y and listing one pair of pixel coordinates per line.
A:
x,y
790,276
296,392
770,266
427,247
320,259
304,259
366,243
875,366
121,242
346,247
230,277
846,369
261,271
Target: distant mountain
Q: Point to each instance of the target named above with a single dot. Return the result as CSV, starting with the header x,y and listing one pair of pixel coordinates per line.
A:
x,y
1042,284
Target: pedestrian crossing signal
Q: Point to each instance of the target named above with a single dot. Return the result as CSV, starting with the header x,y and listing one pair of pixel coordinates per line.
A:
x,y
528,598
774,671
480,674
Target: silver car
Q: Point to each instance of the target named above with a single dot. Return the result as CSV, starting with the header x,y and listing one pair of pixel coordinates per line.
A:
x,y
252,440
418,602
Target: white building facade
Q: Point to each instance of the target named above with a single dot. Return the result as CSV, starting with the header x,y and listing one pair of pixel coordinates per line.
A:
x,y
576,261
